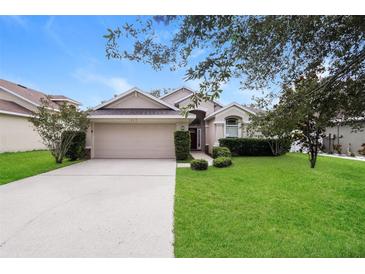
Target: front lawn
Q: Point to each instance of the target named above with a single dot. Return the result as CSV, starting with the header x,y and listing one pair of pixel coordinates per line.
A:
x,y
272,207
19,165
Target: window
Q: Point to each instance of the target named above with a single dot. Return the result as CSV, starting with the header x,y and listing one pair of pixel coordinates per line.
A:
x,y
231,127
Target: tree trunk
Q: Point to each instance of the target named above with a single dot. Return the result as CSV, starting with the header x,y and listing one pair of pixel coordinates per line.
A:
x,y
313,159
314,150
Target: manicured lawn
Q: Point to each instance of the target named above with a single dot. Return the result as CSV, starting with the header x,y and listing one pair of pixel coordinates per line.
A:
x,y
18,165
272,207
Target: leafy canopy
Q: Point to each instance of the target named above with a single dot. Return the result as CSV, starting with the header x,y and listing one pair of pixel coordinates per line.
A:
x,y
57,128
261,51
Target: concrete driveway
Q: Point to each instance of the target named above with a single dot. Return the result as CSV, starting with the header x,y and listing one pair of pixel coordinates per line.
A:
x,y
98,208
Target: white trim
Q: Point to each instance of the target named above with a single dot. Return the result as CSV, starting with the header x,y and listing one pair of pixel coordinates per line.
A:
x,y
172,92
15,113
225,128
68,100
135,89
19,96
198,138
234,104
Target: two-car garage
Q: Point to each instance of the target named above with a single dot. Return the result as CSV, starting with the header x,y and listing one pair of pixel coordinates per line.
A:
x,y
113,140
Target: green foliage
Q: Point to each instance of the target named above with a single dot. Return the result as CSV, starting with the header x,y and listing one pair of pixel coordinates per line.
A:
x,y
77,146
262,51
221,152
252,146
199,164
337,148
222,162
52,124
182,144
301,115
362,150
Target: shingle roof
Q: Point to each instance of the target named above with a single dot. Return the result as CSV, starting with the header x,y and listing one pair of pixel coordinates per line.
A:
x,y
27,93
9,106
62,98
135,111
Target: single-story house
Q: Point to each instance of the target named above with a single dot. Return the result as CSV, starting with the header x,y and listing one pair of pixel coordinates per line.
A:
x,y
17,104
136,124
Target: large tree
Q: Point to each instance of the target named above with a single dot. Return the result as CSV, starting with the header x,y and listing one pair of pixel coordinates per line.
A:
x,y
261,51
58,128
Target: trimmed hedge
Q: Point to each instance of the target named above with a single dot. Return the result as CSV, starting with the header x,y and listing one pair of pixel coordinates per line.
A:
x,y
182,144
221,152
199,164
222,162
254,147
77,147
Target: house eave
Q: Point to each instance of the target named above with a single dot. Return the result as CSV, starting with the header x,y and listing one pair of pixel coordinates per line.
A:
x,y
15,113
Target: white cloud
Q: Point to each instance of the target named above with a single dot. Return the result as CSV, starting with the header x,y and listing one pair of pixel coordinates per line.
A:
x,y
49,29
117,84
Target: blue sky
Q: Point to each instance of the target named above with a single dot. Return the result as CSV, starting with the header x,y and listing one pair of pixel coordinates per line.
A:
x,y
66,55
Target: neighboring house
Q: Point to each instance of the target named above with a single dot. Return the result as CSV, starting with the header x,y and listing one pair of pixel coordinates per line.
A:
x,y
17,104
349,139
136,124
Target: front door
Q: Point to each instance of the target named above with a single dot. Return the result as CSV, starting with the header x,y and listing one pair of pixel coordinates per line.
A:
x,y
193,137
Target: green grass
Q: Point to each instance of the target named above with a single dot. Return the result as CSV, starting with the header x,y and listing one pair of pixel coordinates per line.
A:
x,y
19,165
272,207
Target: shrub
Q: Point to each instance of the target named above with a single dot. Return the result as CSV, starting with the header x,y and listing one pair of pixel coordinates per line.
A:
x,y
221,152
77,147
222,162
199,164
362,150
182,144
255,147
337,148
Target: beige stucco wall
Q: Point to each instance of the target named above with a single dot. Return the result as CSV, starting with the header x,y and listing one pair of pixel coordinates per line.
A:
x,y
207,107
136,100
17,134
356,139
215,127
233,111
173,97
9,97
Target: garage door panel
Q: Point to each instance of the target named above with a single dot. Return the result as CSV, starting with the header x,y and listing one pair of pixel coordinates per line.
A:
x,y
133,141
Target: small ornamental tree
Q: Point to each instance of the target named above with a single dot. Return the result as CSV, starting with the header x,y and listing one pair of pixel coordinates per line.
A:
x,y
58,128
300,115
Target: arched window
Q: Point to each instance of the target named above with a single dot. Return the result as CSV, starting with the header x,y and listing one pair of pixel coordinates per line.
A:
x,y
231,127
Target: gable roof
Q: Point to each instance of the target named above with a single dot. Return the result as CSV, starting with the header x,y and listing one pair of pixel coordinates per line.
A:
x,y
62,98
234,104
176,90
186,97
32,96
135,89
8,107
